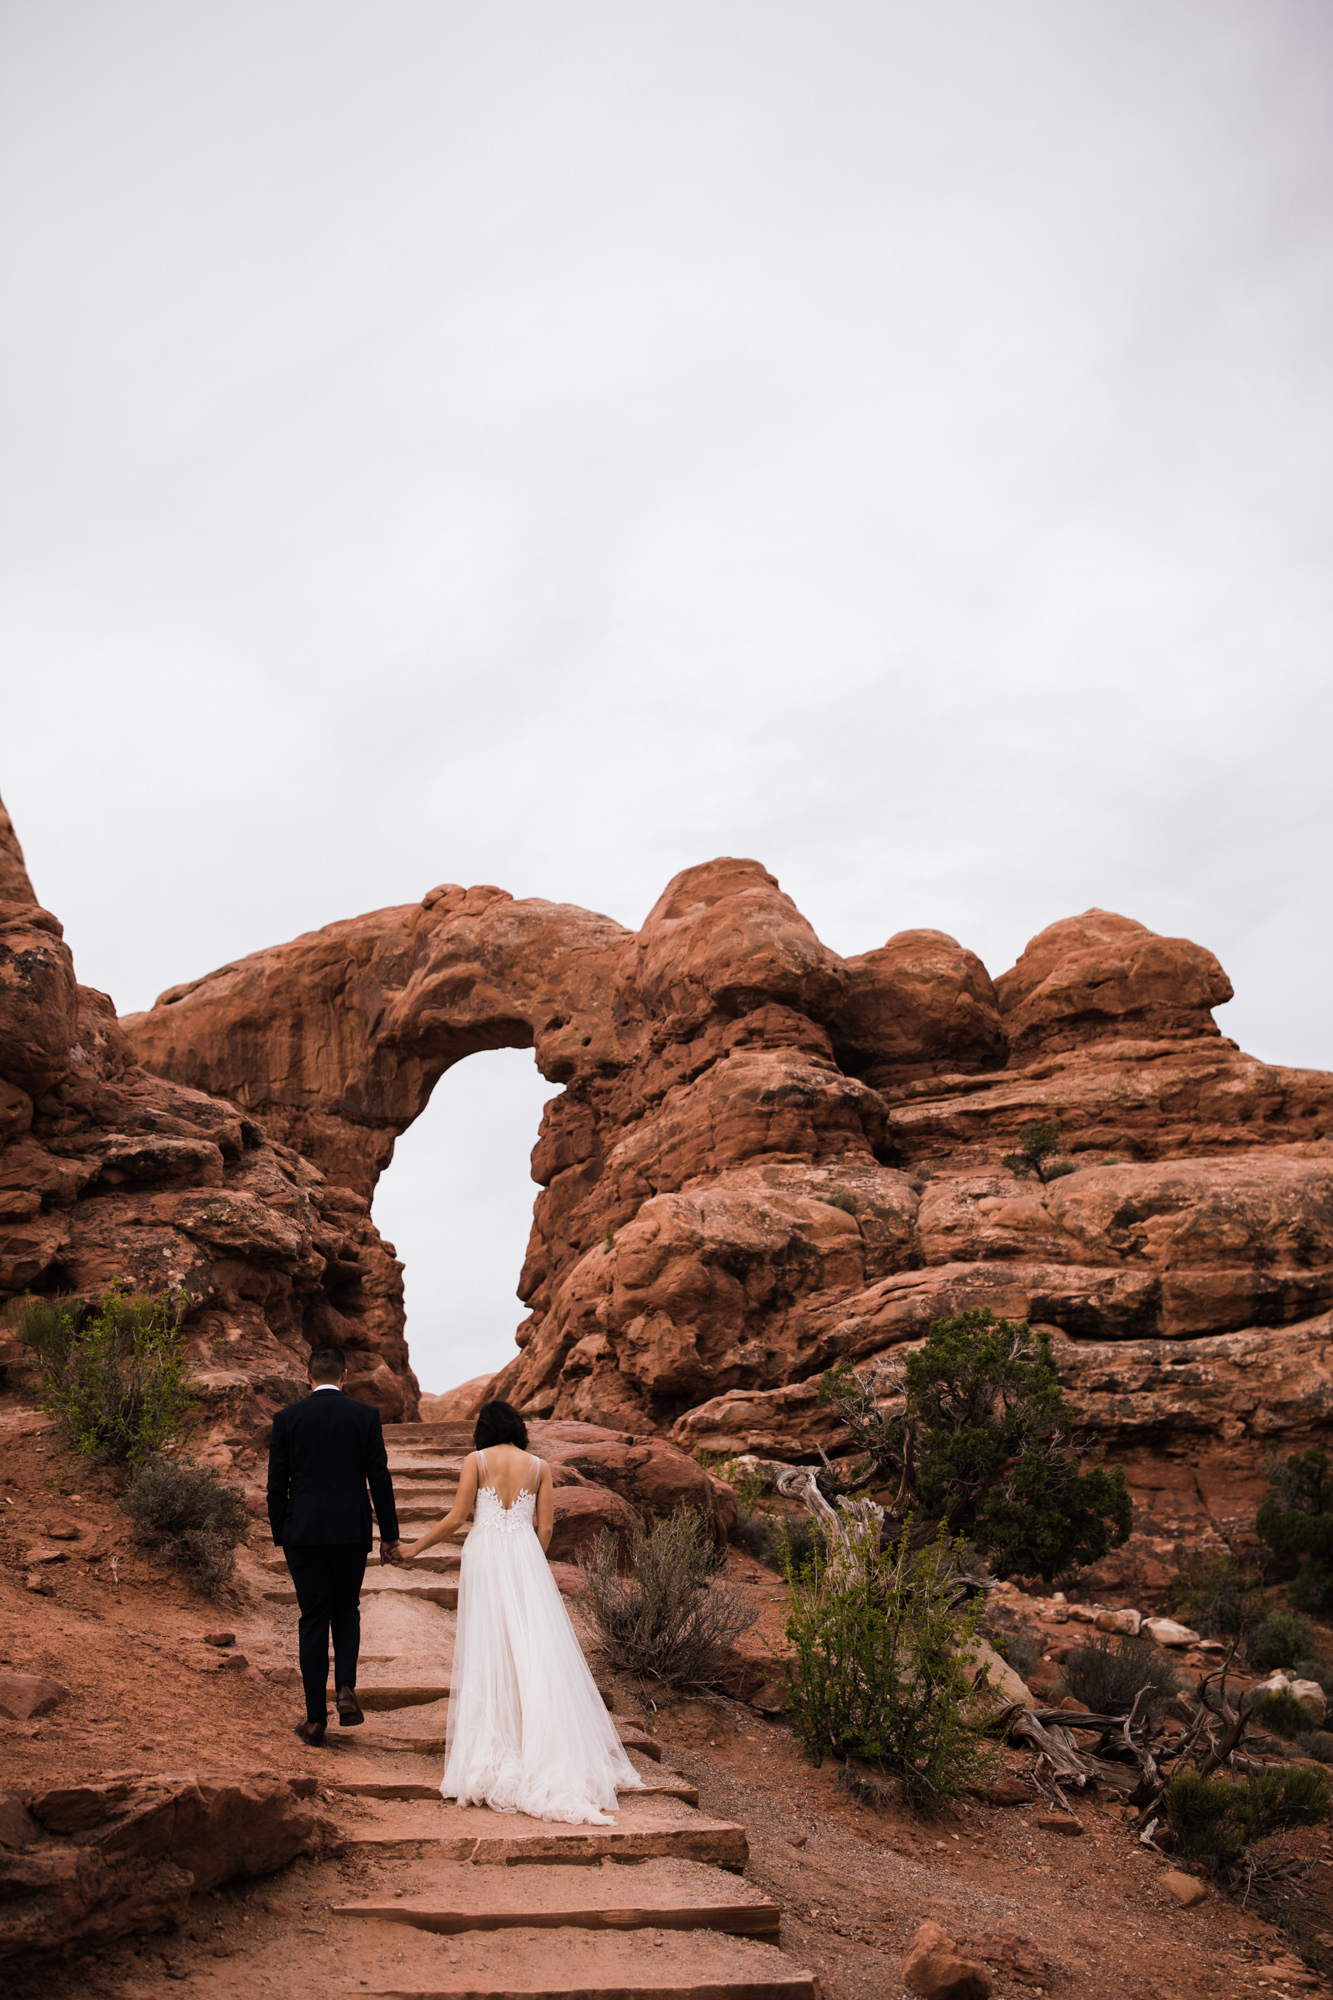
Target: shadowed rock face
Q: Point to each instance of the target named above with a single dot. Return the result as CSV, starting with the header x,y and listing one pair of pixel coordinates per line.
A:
x,y
765,1157
109,1171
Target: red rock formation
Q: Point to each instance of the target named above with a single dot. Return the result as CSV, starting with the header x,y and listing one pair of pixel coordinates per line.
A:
x,y
108,1171
764,1157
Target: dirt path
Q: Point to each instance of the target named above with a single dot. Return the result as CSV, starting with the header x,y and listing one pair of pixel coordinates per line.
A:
x,y
741,1871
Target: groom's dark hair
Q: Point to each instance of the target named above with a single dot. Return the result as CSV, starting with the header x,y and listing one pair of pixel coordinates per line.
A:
x,y
326,1364
499,1423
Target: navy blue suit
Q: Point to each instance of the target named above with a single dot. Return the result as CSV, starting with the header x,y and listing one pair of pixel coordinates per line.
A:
x,y
325,1452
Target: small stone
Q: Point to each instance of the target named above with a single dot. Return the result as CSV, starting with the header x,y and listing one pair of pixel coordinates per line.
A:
x,y
1126,1622
1187,1889
1005,1790
23,1696
41,1554
1058,1822
1311,1698
63,1531
1167,1632
935,1967
18,1828
233,1663
219,1638
39,1586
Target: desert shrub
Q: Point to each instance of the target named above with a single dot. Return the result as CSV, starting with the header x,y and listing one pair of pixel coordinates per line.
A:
x,y
1217,1594
1282,1713
191,1514
1296,1521
113,1374
842,1198
875,1672
1311,1669
1038,1153
1283,1637
1316,1743
666,1617
776,1539
985,1439
1021,1650
1108,1673
1214,1820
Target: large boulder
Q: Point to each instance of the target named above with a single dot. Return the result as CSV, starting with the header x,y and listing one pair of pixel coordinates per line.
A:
x,y
1101,974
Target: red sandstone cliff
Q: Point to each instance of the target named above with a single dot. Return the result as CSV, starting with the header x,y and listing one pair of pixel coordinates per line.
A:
x,y
108,1170
764,1156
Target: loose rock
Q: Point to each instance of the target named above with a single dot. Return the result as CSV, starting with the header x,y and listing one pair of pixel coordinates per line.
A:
x,y
23,1696
1187,1889
937,1968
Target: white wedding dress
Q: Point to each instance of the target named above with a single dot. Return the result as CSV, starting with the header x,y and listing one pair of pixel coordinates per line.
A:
x,y
527,1731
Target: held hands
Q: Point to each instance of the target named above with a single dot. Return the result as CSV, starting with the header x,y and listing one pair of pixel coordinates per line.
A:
x,y
391,1554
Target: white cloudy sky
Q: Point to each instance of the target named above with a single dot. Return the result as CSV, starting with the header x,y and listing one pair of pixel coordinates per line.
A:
x,y
549,443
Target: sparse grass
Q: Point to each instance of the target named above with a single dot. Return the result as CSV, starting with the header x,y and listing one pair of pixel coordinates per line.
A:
x,y
1283,1714
191,1514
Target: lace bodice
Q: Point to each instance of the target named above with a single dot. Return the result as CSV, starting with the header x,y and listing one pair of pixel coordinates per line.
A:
x,y
489,1511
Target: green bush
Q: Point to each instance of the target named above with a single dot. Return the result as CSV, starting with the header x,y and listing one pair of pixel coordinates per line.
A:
x,y
1282,1713
875,1671
776,1539
1296,1521
113,1374
1022,1650
1316,1743
842,1198
192,1515
1108,1673
1217,1594
666,1617
1283,1638
1214,1820
1038,1153
985,1439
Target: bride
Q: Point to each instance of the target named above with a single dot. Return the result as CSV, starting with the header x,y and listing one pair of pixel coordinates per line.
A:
x,y
527,1732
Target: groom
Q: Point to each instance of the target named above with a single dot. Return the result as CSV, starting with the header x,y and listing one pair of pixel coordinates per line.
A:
x,y
324,1452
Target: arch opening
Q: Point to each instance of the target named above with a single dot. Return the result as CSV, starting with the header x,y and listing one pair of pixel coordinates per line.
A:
x,y
456,1203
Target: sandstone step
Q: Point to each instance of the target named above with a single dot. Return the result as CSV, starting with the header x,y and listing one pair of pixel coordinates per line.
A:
x,y
369,1782
528,1963
423,1734
644,1830
438,1562
430,1588
665,1895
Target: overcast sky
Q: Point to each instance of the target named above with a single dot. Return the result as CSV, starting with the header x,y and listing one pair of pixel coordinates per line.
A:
x,y
551,444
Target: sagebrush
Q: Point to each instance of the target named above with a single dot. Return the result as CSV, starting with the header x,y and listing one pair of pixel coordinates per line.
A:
x,y
191,1514
665,1616
1108,1674
876,1670
1296,1521
1216,1821
1282,1639
113,1374
1218,1595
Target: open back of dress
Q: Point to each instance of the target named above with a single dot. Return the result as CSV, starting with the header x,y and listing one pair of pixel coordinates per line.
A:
x,y
527,1732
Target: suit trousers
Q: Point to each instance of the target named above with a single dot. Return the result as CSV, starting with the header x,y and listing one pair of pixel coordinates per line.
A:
x,y
328,1578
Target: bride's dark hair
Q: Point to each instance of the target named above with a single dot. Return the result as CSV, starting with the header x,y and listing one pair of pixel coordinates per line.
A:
x,y
499,1423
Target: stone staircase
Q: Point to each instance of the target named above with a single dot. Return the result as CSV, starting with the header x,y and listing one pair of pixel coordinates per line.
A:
x,y
492,1905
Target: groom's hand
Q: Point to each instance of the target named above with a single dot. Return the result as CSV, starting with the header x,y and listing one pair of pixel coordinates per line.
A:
x,y
389,1553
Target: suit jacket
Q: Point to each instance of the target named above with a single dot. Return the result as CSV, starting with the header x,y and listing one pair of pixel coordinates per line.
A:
x,y
324,1452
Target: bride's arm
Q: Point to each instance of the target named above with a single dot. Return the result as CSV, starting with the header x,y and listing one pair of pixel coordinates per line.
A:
x,y
445,1530
544,1520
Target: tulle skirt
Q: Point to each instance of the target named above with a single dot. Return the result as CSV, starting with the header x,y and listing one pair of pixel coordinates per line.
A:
x,y
528,1731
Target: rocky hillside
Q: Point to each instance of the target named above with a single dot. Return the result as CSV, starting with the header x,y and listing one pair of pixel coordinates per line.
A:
x,y
110,1171
764,1157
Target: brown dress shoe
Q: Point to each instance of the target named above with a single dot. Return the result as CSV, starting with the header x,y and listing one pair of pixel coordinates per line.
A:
x,y
311,1733
349,1709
